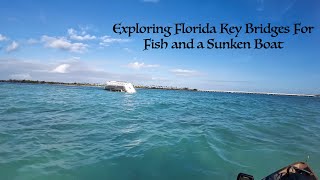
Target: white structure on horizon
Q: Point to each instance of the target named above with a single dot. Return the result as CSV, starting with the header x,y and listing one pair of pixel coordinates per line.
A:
x,y
119,86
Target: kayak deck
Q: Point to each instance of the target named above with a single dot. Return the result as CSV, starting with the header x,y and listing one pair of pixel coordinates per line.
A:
x,y
295,171
298,170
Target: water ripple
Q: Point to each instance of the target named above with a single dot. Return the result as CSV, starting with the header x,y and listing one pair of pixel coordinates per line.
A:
x,y
59,132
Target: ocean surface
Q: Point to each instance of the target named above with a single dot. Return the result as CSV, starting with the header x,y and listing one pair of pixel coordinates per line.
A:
x,y
66,132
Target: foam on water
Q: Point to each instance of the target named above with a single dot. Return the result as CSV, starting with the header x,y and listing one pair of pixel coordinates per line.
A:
x,y
60,132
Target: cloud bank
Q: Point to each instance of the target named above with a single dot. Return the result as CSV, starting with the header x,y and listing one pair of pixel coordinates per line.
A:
x,y
137,65
12,47
184,72
74,35
107,40
61,68
63,44
2,37
64,71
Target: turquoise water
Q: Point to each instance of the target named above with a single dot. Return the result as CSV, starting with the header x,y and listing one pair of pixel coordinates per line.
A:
x,y
60,132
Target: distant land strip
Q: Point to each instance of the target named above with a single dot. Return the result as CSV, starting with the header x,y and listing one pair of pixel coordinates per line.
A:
x,y
154,87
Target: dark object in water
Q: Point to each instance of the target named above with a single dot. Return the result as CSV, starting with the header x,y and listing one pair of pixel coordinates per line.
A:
x,y
243,176
295,171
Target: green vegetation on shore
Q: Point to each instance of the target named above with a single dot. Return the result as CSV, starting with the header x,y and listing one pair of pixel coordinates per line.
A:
x,y
93,84
49,82
164,88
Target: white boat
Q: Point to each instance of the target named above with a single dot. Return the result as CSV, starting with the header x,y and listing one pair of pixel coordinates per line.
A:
x,y
119,86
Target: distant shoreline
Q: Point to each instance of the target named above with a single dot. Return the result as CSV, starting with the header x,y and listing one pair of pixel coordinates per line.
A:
x,y
263,93
48,82
154,87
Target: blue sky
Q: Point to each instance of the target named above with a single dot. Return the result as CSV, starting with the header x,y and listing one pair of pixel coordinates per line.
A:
x,y
73,41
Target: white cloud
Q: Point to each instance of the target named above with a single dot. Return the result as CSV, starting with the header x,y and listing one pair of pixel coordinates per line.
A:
x,y
75,58
3,38
107,40
80,37
63,44
184,72
137,65
63,68
32,41
128,50
20,76
12,47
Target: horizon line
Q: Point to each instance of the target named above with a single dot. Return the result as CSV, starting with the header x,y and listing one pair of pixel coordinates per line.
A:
x,y
162,87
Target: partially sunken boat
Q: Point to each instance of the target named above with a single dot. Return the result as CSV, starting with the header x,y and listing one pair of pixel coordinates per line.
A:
x,y
118,86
